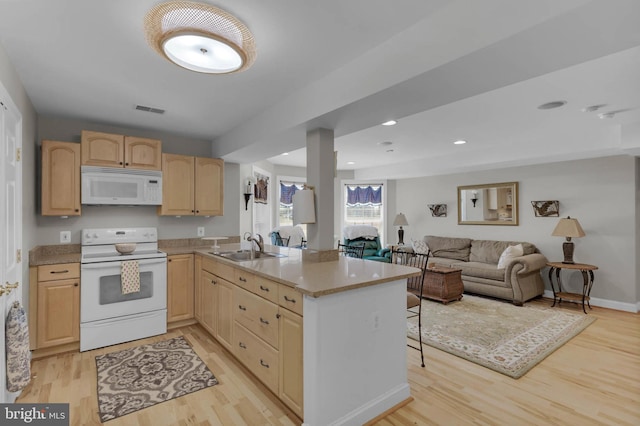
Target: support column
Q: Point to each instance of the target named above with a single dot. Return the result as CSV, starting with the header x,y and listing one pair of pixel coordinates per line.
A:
x,y
320,175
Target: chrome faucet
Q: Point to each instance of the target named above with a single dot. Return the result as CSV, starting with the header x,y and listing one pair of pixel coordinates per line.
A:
x,y
259,241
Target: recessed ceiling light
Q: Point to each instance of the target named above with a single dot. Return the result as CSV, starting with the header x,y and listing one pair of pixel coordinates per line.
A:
x,y
390,123
460,142
285,153
351,163
552,105
390,150
385,143
607,115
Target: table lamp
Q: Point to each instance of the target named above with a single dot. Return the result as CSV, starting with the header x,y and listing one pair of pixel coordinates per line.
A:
x,y
569,228
400,221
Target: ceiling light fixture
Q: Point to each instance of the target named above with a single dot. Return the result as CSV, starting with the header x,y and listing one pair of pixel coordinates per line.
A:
x,y
385,143
390,123
552,105
285,153
351,163
460,142
200,37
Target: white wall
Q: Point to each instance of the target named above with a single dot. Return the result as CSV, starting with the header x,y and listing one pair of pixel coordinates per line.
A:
x,y
601,193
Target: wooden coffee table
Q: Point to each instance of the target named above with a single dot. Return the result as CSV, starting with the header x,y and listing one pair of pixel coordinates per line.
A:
x,y
443,284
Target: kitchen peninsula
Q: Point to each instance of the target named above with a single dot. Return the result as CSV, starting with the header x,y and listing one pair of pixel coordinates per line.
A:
x,y
353,322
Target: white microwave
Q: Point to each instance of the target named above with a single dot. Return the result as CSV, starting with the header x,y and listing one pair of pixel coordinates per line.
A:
x,y
115,186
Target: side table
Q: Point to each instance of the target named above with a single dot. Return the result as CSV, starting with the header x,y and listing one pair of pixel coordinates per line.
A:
x,y
587,277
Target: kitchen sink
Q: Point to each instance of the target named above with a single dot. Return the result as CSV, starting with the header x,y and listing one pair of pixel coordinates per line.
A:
x,y
240,255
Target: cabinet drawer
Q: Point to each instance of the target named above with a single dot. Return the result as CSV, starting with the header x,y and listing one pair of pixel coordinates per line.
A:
x,y
260,358
245,280
257,314
289,298
217,268
267,289
62,271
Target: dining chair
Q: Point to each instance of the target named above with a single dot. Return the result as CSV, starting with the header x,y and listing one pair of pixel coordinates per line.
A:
x,y
351,250
414,288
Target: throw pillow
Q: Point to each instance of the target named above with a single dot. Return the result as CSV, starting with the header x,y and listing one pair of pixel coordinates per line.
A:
x,y
419,246
509,253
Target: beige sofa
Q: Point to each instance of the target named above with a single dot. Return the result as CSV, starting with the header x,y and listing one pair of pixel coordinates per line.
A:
x,y
518,282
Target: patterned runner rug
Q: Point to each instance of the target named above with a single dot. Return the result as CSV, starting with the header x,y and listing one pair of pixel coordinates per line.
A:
x,y
137,378
505,338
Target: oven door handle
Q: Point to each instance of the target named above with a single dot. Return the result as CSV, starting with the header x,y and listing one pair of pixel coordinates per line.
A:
x,y
104,265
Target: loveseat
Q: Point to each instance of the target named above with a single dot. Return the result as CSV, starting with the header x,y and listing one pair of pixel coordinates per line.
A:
x,y
518,281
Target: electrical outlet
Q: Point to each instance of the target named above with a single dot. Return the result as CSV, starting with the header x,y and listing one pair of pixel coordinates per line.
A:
x,y
200,231
65,237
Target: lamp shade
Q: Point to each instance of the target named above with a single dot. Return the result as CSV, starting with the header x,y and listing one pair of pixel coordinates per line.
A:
x,y
400,220
568,227
304,209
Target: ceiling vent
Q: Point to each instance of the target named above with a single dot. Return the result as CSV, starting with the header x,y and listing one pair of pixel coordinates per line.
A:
x,y
149,109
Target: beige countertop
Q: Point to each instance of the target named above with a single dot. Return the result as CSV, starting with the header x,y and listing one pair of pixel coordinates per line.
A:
x,y
309,277
316,278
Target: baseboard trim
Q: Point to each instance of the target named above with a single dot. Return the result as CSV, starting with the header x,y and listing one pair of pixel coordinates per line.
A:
x,y
380,406
605,303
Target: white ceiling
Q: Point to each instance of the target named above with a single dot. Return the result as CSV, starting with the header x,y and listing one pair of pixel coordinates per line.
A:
x,y
447,70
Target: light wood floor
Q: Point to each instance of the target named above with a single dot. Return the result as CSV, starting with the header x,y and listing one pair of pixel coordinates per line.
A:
x,y
594,379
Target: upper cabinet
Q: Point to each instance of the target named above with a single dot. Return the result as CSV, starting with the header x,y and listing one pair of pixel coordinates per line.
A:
x,y
192,186
209,191
60,190
112,150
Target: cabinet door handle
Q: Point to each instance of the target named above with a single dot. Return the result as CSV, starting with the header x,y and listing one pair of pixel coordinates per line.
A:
x,y
75,284
264,288
121,163
244,280
64,271
289,300
278,316
126,164
197,211
242,308
242,345
264,321
214,282
264,364
77,210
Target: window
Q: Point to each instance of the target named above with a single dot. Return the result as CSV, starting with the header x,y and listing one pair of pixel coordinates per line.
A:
x,y
363,205
285,209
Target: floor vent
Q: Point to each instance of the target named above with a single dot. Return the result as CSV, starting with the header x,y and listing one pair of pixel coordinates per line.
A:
x,y
149,109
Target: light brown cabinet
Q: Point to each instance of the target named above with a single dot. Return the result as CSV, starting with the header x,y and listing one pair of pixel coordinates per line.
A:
x,y
113,150
192,186
291,360
180,287
259,321
57,302
60,190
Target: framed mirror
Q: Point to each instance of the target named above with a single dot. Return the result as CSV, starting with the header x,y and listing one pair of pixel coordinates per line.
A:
x,y
488,204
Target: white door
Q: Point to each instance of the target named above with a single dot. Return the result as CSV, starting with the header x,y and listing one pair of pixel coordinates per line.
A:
x,y
10,222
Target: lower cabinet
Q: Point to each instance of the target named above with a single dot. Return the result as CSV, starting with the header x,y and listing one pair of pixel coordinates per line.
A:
x,y
243,312
57,302
291,371
180,287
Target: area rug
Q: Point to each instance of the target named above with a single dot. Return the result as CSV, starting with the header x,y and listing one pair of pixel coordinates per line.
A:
x,y
137,378
505,338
